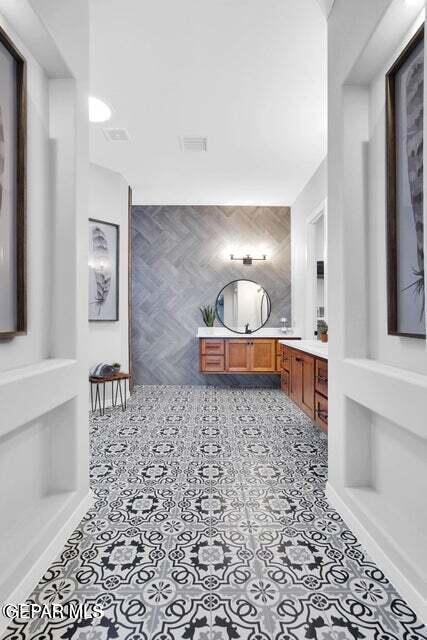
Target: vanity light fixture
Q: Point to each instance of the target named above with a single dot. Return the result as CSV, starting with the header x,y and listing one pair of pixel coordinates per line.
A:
x,y
248,259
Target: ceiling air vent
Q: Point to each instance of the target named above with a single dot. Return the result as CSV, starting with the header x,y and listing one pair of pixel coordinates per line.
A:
x,y
194,143
115,135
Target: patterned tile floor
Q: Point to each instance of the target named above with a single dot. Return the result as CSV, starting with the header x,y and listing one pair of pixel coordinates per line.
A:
x,y
211,523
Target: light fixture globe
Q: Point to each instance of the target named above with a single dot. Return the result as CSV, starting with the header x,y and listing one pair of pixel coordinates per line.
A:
x,y
98,110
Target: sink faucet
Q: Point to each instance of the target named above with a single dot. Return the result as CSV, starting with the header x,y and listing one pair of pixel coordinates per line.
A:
x,y
247,330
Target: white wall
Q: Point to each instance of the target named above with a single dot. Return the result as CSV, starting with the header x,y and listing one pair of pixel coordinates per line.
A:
x,y
310,198
108,201
378,383
44,487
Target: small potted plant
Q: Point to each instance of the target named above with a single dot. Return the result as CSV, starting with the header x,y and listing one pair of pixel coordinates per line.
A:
x,y
322,330
208,315
116,367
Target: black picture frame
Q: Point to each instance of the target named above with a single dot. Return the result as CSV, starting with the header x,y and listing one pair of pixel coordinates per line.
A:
x,y
396,290
240,333
98,287
14,275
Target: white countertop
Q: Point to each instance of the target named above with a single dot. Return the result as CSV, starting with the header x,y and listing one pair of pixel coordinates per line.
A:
x,y
222,332
313,347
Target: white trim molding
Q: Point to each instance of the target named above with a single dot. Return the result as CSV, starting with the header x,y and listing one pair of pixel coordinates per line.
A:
x,y
310,291
47,556
376,549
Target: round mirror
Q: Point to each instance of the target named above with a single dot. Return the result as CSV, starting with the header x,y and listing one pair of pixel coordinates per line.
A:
x,y
243,306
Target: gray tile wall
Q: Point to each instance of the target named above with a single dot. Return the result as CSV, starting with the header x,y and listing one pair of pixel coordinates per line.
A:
x,y
180,262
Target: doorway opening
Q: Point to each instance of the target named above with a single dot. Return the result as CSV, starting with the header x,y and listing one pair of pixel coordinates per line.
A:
x,y
316,273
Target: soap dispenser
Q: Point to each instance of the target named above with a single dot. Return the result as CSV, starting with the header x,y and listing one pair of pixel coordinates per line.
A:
x,y
284,325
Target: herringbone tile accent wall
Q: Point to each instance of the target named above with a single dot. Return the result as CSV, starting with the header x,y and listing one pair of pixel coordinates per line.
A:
x,y
180,262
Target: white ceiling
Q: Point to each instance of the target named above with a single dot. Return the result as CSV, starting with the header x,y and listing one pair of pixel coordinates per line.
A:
x,y
248,74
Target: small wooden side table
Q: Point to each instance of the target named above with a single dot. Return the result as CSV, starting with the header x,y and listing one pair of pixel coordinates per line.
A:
x,y
115,379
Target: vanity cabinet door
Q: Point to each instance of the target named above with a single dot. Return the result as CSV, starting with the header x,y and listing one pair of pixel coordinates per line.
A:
x,y
237,355
286,358
295,363
322,377
263,355
307,398
284,381
321,412
302,381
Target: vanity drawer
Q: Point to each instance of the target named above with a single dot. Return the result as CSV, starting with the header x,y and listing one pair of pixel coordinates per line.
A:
x,y
213,363
321,378
212,347
321,412
285,381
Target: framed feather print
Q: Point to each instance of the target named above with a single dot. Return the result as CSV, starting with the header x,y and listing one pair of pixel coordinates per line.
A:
x,y
405,191
13,127
103,271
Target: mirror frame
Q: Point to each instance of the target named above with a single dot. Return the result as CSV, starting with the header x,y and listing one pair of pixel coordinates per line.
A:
x,y
242,333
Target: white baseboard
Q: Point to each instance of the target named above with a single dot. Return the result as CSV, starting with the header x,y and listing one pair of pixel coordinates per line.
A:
x,y
29,582
406,589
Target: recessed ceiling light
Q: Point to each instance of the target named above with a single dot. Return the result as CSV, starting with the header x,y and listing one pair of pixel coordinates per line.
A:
x,y
98,110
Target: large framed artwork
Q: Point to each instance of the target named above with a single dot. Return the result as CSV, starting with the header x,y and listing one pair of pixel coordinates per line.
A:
x,y
405,192
13,126
103,271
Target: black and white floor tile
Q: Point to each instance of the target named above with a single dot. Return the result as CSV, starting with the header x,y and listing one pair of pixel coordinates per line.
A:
x,y
211,523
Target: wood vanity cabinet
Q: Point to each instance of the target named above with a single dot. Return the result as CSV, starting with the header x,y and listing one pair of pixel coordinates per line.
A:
x,y
304,379
240,355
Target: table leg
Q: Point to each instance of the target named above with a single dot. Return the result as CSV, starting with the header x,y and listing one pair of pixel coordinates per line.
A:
x,y
117,391
97,397
126,396
103,399
121,394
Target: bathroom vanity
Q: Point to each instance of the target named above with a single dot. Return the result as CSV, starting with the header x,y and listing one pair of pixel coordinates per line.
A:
x,y
305,377
222,351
